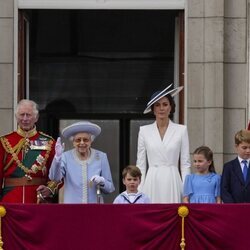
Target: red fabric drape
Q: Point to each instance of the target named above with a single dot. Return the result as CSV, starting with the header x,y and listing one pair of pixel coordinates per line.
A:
x,y
108,226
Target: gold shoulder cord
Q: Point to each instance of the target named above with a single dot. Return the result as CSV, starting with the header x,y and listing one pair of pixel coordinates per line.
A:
x,y
42,133
35,168
17,148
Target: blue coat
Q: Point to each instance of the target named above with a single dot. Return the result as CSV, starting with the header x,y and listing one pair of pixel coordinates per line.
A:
x,y
233,187
70,170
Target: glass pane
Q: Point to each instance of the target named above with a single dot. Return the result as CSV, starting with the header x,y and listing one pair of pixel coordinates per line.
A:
x,y
134,130
100,61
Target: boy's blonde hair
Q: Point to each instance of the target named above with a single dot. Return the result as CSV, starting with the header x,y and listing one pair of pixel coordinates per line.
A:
x,y
133,170
242,136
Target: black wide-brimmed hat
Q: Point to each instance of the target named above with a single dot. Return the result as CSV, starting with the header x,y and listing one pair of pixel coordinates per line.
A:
x,y
159,94
81,127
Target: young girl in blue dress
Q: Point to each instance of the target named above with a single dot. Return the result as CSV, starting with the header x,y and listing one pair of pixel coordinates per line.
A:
x,y
203,186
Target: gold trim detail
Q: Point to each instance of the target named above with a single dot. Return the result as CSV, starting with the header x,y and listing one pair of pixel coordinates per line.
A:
x,y
183,212
17,148
2,214
53,186
35,167
46,135
26,134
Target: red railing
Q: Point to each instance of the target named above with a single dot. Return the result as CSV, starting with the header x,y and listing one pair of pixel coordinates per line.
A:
x,y
118,227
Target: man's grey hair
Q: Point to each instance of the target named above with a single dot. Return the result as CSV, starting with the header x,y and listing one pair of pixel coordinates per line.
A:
x,y
29,102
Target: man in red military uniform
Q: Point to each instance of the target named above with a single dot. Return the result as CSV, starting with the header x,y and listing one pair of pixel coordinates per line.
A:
x,y
25,158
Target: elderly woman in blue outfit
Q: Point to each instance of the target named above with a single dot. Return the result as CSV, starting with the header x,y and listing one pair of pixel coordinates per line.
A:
x,y
85,171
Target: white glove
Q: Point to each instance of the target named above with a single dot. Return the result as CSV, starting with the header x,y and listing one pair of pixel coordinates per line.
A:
x,y
59,148
98,180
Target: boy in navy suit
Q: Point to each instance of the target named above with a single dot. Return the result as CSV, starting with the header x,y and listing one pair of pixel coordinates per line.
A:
x,y
235,181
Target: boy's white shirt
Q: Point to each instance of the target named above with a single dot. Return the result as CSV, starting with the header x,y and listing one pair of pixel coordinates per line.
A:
x,y
132,196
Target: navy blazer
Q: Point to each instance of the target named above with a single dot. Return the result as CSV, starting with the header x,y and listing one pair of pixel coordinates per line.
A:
x,y
233,187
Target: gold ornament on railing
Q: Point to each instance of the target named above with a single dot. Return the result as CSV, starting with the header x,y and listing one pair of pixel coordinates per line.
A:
x,y
2,214
183,212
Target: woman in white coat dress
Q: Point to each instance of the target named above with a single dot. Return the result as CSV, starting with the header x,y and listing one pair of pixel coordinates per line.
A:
x,y
161,146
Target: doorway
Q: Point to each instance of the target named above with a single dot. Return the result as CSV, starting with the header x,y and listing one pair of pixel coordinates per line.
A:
x,y
103,65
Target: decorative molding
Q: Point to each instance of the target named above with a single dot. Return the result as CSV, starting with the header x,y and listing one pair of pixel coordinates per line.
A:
x,y
101,4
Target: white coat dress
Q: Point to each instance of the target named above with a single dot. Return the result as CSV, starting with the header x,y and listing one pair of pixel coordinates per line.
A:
x,y
161,180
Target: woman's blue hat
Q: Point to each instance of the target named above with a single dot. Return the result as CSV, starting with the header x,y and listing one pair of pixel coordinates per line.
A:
x,y
81,127
159,94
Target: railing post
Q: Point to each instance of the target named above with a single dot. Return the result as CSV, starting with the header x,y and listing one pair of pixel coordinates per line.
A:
x,y
183,212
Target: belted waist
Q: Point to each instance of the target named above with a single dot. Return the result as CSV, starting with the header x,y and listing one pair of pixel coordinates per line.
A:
x,y
24,181
161,166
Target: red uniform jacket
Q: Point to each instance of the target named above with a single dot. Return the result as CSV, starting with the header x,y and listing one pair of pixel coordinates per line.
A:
x,y
24,156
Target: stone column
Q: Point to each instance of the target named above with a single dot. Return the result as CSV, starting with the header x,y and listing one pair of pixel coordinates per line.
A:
x,y
205,80
236,82
6,65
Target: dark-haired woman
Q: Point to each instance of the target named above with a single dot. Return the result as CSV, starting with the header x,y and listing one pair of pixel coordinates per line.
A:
x,y
162,145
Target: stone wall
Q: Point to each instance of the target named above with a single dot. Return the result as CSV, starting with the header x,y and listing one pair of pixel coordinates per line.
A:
x,y
217,81
217,72
6,65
